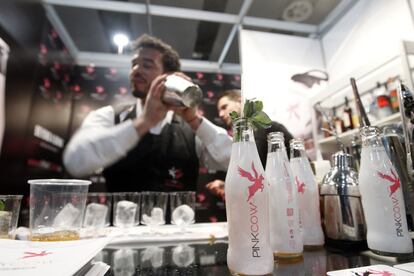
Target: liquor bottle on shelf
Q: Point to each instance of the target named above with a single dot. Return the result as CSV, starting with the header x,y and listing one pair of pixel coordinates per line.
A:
x,y
392,88
383,103
382,199
285,234
247,206
338,123
308,196
355,120
347,118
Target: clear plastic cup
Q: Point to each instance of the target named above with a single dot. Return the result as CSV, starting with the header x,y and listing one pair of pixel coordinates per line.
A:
x,y
97,214
56,208
182,205
98,210
9,215
126,209
153,208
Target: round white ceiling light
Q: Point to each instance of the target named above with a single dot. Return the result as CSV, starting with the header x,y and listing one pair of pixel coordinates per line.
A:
x,y
120,40
298,11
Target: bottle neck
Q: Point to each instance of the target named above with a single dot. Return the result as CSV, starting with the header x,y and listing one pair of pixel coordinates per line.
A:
x,y
242,131
275,142
297,148
371,137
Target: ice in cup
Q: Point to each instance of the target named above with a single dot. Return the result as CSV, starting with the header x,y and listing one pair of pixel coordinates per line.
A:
x,y
56,208
126,209
9,215
98,210
153,209
182,205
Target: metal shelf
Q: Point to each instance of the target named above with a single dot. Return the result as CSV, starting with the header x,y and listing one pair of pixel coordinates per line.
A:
x,y
329,144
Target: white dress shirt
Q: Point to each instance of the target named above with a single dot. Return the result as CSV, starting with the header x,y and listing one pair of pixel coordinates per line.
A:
x,y
99,143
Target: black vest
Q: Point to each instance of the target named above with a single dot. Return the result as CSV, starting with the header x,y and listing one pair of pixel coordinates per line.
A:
x,y
165,162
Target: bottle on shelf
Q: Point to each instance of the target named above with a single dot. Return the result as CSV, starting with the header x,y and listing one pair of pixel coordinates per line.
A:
x,y
308,196
355,120
383,103
338,123
247,206
392,88
382,199
285,234
347,118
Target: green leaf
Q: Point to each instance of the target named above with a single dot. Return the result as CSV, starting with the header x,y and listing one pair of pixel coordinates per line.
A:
x,y
253,113
2,205
258,106
234,116
248,109
261,118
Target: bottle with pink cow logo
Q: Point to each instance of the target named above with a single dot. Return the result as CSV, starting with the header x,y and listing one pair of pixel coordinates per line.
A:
x,y
249,251
285,234
308,196
382,199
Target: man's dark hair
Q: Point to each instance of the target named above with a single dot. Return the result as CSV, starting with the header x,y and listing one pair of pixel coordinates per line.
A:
x,y
170,58
232,94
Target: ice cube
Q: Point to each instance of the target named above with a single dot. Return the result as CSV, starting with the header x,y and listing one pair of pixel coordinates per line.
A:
x,y
124,262
66,218
156,218
183,215
95,215
125,213
153,254
183,255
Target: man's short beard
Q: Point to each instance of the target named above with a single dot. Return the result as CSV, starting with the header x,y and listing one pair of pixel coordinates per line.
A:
x,y
138,94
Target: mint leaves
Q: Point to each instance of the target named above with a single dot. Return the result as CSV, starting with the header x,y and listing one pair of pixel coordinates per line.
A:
x,y
254,114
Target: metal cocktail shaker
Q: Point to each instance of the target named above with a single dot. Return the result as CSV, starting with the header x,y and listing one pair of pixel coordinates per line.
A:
x,y
343,217
181,92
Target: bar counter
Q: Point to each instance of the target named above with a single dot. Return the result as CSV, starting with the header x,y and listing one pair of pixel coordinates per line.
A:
x,y
209,258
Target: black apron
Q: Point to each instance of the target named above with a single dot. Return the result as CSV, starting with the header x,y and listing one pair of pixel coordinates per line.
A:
x,y
165,162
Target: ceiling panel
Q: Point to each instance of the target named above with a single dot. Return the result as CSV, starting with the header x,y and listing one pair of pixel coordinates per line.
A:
x,y
85,28
273,9
179,33
93,26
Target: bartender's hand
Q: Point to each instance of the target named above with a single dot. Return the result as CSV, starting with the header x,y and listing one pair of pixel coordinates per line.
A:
x,y
154,109
190,115
216,187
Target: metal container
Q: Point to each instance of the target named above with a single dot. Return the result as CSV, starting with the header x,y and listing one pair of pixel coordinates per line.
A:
x,y
342,209
181,92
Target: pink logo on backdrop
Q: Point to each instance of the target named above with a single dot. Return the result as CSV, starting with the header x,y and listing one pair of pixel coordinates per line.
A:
x,y
393,179
300,185
256,180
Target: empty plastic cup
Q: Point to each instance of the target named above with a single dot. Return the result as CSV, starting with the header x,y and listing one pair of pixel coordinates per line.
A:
x,y
9,215
56,208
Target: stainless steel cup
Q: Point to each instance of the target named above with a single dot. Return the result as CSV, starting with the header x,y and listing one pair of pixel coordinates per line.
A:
x,y
181,92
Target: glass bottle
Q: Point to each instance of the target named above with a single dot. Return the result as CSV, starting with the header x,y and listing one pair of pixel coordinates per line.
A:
x,y
247,207
285,234
348,123
382,199
308,195
338,123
